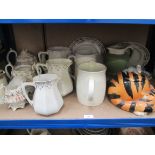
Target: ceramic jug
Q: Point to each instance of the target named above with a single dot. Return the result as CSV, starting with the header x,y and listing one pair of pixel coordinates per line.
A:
x,y
80,58
20,70
47,99
61,68
117,58
3,84
91,83
54,53
24,58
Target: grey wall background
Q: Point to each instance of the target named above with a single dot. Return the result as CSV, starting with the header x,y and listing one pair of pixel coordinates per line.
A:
x,y
30,36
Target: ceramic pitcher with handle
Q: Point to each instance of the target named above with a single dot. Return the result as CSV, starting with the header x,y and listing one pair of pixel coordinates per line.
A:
x,y
54,53
91,83
61,68
47,99
24,58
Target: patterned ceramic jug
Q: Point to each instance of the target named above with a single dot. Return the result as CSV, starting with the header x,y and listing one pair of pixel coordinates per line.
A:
x,y
61,68
24,58
46,99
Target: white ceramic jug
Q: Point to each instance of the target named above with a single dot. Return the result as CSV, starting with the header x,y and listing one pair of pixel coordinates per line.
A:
x,y
54,53
91,83
20,70
47,99
61,68
24,58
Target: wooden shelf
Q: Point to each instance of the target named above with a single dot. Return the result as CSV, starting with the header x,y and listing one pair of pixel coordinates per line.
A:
x,y
72,109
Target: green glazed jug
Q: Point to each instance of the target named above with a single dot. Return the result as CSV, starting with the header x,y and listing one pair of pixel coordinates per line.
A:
x,y
117,59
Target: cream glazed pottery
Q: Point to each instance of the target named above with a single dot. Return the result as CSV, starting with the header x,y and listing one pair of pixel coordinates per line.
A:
x,y
61,68
91,83
3,84
54,53
47,99
24,58
20,70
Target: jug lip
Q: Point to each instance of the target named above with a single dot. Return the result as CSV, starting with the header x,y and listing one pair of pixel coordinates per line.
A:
x,y
102,67
45,78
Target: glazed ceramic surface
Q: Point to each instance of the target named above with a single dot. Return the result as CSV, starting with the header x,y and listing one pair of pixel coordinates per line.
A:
x,y
85,44
117,59
3,84
91,83
47,99
20,70
132,92
80,58
139,54
61,68
24,58
54,53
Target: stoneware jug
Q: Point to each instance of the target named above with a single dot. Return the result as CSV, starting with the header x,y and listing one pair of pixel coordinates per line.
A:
x,y
24,58
47,99
61,68
117,59
54,53
91,83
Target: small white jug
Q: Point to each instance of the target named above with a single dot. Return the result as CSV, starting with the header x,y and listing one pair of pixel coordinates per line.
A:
x,y
46,99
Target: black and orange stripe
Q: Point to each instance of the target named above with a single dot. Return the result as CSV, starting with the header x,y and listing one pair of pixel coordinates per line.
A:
x,y
132,92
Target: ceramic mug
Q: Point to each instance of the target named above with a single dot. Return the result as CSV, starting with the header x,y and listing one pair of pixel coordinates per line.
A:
x,y
91,83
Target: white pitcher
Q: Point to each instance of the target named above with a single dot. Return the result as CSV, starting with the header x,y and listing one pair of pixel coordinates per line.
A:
x,y
47,99
61,68
91,83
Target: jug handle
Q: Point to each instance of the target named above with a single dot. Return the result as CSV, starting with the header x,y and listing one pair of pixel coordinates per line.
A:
x,y
8,55
25,93
72,58
91,85
40,56
37,67
6,70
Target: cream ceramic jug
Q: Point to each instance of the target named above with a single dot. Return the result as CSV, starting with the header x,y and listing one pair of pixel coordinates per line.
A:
x,y
54,53
61,68
91,83
20,70
47,99
24,58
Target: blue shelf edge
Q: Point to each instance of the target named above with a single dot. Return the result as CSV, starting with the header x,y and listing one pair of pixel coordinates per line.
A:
x,y
78,123
84,21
